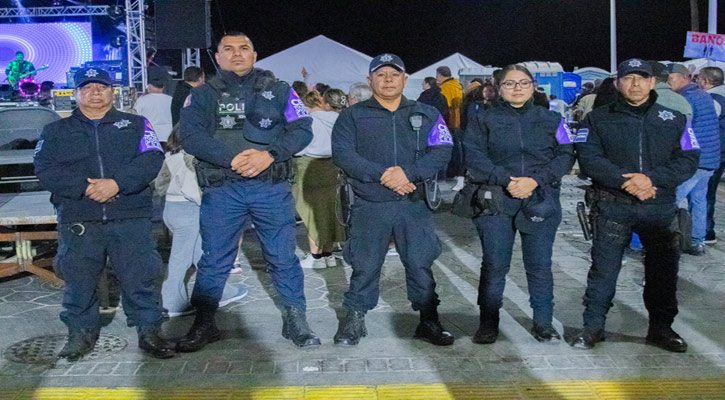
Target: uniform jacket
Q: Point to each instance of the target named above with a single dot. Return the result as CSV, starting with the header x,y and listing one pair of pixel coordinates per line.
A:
x,y
660,144
120,146
368,139
501,142
198,121
705,124
453,91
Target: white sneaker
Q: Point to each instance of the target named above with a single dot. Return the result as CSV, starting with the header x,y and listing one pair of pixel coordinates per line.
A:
x,y
237,293
310,262
460,182
187,311
391,252
330,261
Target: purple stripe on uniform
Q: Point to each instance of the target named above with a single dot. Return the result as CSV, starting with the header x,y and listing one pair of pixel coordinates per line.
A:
x,y
688,141
563,133
439,134
149,141
295,108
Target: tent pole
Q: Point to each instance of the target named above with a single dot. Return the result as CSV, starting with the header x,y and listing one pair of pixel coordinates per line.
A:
x,y
613,36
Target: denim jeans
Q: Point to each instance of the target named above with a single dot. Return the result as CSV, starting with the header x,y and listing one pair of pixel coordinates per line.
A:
x,y
182,219
694,190
224,212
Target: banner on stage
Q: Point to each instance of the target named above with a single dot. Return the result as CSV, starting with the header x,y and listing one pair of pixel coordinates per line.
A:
x,y
705,45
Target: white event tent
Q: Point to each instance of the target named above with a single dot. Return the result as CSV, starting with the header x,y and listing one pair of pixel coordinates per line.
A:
x,y
455,62
326,61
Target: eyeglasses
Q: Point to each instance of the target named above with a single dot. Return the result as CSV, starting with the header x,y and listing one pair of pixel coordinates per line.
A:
x,y
509,85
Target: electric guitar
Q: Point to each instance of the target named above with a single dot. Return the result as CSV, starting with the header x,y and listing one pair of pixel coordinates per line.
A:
x,y
15,78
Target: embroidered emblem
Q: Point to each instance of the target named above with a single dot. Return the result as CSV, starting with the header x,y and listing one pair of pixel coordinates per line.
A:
x,y
122,123
268,95
439,134
386,58
635,63
187,102
536,219
265,123
91,73
666,115
149,140
295,108
227,122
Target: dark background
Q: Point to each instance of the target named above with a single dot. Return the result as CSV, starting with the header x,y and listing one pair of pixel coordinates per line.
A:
x,y
497,32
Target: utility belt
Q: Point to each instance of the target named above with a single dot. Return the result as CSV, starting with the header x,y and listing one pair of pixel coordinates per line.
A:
x,y
587,220
209,175
593,195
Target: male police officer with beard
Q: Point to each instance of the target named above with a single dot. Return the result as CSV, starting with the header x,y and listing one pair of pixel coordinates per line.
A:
x,y
98,163
637,153
243,126
387,146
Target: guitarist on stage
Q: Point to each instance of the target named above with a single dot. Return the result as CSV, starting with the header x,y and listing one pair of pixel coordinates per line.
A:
x,y
19,69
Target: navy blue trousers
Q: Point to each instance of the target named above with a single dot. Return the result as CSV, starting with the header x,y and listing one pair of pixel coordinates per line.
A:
x,y
132,250
372,225
224,211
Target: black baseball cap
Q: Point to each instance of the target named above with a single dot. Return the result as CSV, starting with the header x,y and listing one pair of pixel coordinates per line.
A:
x,y
386,59
90,75
634,66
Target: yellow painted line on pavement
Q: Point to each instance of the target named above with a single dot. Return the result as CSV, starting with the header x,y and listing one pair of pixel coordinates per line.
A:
x,y
577,390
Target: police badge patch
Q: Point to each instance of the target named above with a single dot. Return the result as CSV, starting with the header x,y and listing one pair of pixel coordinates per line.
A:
x,y
440,134
666,115
122,123
149,141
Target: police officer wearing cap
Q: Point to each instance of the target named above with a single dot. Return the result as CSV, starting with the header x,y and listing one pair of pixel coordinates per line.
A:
x,y
97,164
387,146
637,153
243,126
518,152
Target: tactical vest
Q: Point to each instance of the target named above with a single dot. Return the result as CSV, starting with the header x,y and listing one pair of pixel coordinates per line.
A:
x,y
246,115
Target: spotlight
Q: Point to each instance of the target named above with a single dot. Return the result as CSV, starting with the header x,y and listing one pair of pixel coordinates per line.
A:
x,y
116,12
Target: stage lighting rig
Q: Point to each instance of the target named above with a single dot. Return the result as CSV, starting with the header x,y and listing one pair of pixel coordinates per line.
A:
x,y
116,12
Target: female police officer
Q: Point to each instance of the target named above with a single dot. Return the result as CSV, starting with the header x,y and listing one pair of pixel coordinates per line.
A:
x,y
518,152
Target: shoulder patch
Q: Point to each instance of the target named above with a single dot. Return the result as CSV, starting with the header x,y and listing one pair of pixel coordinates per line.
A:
x,y
295,109
39,146
149,141
187,102
440,134
564,133
688,141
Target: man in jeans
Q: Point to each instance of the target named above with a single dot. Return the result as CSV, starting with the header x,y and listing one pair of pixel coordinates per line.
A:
x,y
707,132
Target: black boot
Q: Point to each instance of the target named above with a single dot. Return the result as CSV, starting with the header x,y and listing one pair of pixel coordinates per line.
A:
x,y
667,339
351,329
588,338
150,342
296,329
487,332
430,329
80,342
202,332
545,333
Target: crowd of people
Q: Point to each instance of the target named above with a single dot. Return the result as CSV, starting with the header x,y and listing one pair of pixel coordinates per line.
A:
x,y
243,146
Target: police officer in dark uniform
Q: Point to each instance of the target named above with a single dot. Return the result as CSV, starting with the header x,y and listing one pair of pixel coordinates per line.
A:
x,y
387,146
243,126
97,164
636,153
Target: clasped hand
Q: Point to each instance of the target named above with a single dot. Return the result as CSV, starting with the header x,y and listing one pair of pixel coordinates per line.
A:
x,y
251,162
521,187
394,178
102,190
639,185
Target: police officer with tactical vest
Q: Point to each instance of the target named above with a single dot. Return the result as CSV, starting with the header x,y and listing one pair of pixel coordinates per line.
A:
x,y
243,126
97,164
637,152
387,146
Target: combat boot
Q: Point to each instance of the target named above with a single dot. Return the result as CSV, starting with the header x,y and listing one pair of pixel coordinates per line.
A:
x,y
487,332
150,342
431,330
202,332
351,329
80,342
296,329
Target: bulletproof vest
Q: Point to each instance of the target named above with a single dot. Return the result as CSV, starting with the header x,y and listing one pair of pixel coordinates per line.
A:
x,y
246,115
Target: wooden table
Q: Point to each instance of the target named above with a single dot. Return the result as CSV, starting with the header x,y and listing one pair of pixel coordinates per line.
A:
x,y
26,209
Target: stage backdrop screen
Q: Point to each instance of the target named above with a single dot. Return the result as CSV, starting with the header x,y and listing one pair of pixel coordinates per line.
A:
x,y
60,45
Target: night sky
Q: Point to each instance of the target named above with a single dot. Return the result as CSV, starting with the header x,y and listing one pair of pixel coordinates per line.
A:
x,y
497,32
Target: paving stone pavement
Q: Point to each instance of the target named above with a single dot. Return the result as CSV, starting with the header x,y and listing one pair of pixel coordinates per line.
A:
x,y
253,353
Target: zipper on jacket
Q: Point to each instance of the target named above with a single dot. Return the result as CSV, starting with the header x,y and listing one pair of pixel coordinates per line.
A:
x,y
100,162
521,145
395,142
641,133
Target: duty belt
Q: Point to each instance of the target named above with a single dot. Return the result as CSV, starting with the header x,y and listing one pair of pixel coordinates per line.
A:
x,y
593,194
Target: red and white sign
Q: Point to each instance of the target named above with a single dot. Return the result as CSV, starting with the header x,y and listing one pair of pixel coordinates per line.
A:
x,y
705,45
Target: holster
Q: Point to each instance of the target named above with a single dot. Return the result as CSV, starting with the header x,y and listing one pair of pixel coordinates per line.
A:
x,y
208,175
281,171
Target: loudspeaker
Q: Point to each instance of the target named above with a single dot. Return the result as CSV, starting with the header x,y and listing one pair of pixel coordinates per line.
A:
x,y
182,24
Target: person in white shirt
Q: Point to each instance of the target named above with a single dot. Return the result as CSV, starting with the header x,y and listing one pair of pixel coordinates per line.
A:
x,y
156,107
